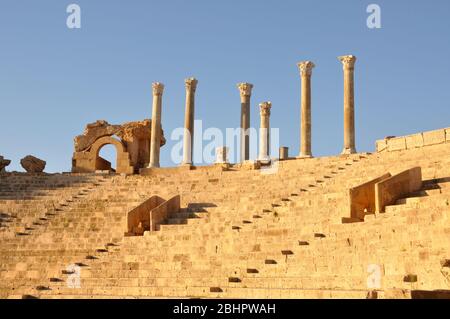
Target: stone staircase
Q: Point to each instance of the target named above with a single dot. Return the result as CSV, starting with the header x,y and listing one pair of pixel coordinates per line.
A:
x,y
243,234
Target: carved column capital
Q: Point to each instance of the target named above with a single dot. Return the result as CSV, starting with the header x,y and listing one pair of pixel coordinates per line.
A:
x,y
348,61
191,84
264,108
245,89
158,88
305,68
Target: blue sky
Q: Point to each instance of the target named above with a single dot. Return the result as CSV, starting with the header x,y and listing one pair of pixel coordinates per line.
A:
x,y
55,80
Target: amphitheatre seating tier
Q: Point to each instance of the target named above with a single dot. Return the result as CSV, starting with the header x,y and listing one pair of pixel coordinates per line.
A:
x,y
239,233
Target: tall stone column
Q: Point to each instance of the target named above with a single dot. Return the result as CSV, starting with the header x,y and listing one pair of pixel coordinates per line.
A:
x,y
155,143
348,62
245,90
188,139
264,129
305,68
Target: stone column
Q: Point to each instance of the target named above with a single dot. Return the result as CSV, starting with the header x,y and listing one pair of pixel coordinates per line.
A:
x,y
188,140
305,68
245,90
264,129
155,143
348,62
284,153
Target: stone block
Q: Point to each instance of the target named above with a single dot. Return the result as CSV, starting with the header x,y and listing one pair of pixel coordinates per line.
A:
x,y
102,164
362,198
397,186
248,165
414,141
3,163
381,145
396,144
434,137
33,164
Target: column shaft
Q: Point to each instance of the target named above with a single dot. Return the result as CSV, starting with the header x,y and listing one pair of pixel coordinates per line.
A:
x,y
305,126
245,125
245,93
349,104
188,139
264,136
156,125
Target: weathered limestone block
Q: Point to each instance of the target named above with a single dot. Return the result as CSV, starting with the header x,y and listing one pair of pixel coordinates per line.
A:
x,y
381,145
393,188
32,164
434,137
362,198
392,143
413,141
138,219
149,215
102,164
131,131
93,132
136,137
396,144
3,163
248,165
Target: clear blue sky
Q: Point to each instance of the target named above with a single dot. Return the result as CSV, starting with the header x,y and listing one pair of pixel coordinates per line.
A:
x,y
54,80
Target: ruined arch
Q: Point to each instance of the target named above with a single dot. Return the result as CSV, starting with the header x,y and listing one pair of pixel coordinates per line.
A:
x,y
108,152
131,140
122,157
90,161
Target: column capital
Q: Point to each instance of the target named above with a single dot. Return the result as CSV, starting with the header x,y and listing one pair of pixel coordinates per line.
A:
x,y
191,84
245,89
348,61
158,88
264,108
305,67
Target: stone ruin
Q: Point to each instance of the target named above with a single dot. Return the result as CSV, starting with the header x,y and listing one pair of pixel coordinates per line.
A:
x,y
32,164
131,140
3,163
354,226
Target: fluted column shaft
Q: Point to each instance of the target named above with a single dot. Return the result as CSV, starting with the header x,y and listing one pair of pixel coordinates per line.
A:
x,y
305,68
155,144
348,63
188,139
245,90
264,136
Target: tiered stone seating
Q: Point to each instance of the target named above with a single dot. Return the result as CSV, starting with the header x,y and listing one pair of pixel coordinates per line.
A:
x,y
27,201
244,234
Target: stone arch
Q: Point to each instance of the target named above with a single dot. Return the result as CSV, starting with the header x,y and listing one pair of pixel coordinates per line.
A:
x,y
102,141
107,154
90,161
101,163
